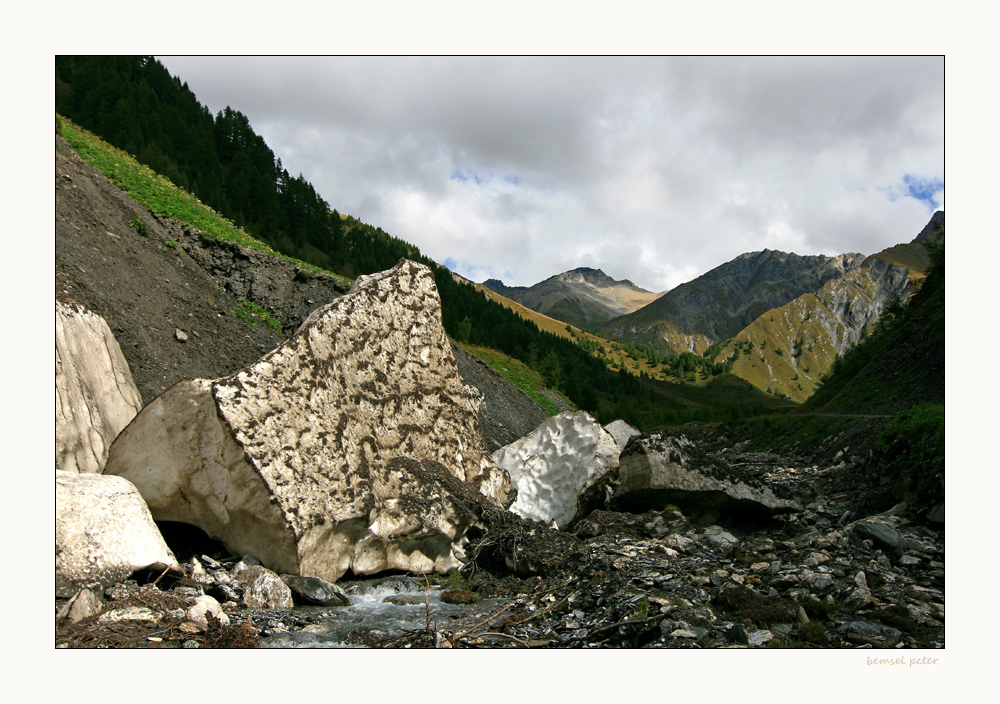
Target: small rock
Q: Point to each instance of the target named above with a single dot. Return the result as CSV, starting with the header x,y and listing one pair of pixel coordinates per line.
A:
x,y
758,638
210,563
817,581
719,577
247,561
405,599
719,537
180,335
198,573
874,634
131,613
204,606
83,604
678,542
880,533
263,589
684,633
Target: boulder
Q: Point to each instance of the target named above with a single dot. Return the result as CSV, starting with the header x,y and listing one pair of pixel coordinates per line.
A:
x,y
556,464
719,537
622,432
353,445
659,470
881,533
263,589
104,533
95,394
315,591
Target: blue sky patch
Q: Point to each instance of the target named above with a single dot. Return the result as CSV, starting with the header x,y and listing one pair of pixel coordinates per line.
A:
x,y
467,175
923,189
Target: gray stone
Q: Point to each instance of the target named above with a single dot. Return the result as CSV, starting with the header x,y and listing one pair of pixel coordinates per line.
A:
x,y
263,589
880,533
936,513
658,469
405,599
622,432
353,445
95,394
104,533
759,638
198,572
245,561
81,605
817,582
683,633
313,590
871,633
719,537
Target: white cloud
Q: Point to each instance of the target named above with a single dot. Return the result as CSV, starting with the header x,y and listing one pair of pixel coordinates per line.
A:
x,y
653,169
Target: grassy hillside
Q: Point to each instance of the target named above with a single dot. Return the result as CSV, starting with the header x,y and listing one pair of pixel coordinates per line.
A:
x,y
518,373
788,350
913,256
157,193
901,364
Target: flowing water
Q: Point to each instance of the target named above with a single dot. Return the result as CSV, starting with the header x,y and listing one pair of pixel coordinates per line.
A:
x,y
388,607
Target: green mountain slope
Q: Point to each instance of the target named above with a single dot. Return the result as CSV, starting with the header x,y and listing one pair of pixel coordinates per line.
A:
x,y
901,364
787,350
719,304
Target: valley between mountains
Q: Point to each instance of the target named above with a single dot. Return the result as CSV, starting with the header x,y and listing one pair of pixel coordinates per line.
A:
x,y
778,320
809,531
300,432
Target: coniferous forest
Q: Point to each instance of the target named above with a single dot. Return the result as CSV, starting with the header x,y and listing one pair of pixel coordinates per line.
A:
x,y
134,103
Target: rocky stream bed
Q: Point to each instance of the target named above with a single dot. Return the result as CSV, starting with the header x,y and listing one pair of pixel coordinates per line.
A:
x,y
819,578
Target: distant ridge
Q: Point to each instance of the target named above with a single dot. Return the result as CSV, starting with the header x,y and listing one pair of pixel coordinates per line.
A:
x,y
583,297
718,304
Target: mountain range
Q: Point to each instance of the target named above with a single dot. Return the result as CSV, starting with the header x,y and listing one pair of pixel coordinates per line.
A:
x,y
582,297
780,319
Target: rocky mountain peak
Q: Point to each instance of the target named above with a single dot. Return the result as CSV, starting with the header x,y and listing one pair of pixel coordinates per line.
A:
x,y
936,219
581,296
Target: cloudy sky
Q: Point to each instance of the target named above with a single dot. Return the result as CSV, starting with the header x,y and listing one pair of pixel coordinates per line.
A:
x,y
652,169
